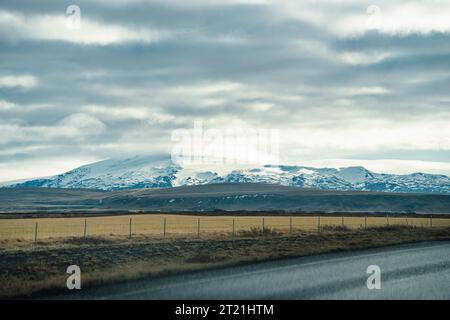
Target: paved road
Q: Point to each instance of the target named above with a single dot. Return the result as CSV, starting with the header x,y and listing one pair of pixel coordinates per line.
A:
x,y
419,271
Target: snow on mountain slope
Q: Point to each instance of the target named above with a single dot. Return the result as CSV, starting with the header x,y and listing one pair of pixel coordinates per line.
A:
x,y
114,174
161,172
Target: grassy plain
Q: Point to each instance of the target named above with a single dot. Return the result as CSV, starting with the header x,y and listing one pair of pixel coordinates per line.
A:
x,y
183,225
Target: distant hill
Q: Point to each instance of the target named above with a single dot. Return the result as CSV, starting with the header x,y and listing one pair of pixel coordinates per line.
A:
x,y
160,172
223,196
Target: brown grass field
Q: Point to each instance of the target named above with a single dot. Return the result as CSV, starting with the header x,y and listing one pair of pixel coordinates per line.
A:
x,y
182,225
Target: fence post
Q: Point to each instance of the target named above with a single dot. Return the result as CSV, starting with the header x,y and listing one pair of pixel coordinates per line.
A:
x,y
198,227
263,225
342,220
387,220
36,232
407,223
318,223
290,224
131,219
431,221
85,229
164,227
365,222
233,227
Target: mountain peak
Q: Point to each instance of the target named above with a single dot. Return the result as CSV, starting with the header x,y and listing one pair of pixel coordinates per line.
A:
x,y
354,174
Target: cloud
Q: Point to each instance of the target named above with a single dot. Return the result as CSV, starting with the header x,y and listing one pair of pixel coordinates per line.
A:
x,y
202,89
120,113
74,127
6,105
22,81
55,28
82,124
358,91
370,135
354,17
363,58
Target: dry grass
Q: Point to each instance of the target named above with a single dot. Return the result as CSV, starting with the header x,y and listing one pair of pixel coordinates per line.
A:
x,y
181,225
260,232
31,270
339,228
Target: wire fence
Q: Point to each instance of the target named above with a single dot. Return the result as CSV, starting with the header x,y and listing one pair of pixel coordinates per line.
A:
x,y
183,225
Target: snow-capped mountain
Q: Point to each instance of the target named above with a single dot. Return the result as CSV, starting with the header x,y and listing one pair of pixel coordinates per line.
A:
x,y
150,172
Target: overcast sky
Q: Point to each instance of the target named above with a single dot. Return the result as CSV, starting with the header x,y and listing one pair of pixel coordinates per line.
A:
x,y
359,83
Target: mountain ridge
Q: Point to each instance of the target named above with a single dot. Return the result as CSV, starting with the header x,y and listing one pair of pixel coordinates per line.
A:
x,y
142,172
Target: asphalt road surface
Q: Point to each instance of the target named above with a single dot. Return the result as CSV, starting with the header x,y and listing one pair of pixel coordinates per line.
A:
x,y
417,271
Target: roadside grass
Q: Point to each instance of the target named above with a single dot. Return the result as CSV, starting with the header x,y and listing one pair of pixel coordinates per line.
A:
x,y
31,270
